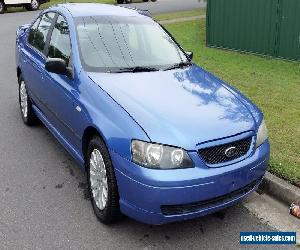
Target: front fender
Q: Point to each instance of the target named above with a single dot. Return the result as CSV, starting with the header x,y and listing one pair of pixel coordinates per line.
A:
x,y
114,124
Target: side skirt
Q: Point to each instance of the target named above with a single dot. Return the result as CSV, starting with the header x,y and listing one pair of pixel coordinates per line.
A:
x,y
73,152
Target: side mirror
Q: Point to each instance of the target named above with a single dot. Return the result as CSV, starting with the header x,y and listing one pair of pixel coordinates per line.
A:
x,y
58,66
189,55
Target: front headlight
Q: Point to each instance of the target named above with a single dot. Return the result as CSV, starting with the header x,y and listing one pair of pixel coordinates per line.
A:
x,y
262,134
157,156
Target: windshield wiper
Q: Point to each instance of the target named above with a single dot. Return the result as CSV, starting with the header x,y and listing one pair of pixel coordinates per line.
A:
x,y
179,65
135,69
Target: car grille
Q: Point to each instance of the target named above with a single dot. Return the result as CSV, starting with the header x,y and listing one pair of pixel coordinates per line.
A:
x,y
201,205
217,154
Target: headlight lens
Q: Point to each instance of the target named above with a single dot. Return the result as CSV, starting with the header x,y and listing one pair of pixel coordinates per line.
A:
x,y
262,134
152,155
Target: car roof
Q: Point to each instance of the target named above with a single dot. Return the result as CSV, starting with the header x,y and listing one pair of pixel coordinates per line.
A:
x,y
96,9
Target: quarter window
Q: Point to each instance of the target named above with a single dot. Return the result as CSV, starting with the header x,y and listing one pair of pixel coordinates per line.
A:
x,y
60,46
38,35
33,31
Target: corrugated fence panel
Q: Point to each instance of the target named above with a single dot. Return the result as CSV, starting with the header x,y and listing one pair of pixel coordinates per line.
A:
x,y
242,25
289,41
269,27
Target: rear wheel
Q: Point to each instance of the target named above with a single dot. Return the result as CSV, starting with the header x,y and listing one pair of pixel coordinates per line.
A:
x,y
102,182
34,5
2,7
27,112
120,1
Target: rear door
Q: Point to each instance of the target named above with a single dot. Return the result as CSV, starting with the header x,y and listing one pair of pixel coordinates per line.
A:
x,y
34,58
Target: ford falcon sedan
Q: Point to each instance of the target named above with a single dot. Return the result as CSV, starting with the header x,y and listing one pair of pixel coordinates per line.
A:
x,y
161,138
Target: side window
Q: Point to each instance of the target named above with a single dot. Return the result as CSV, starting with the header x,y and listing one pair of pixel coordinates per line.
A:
x,y
37,37
60,45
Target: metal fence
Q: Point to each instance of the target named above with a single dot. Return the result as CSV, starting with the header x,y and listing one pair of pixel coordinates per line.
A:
x,y
269,27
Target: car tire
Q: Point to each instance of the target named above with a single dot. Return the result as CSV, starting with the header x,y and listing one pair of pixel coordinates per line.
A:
x,y
145,0
102,182
34,5
153,0
128,1
120,1
2,7
28,115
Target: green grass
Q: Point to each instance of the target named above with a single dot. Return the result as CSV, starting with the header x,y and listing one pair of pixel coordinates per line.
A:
x,y
274,85
174,15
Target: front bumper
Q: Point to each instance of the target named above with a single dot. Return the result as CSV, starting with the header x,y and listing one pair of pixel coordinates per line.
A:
x,y
146,194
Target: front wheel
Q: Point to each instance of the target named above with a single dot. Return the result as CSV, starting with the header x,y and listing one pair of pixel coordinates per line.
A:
x,y
102,182
2,7
34,5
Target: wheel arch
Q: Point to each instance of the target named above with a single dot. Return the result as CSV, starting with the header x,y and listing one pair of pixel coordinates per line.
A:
x,y
19,72
89,133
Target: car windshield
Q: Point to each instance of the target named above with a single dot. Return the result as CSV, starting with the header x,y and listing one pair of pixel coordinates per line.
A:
x,y
117,44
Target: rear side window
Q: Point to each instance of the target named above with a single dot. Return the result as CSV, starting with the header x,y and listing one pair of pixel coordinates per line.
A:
x,y
60,45
38,35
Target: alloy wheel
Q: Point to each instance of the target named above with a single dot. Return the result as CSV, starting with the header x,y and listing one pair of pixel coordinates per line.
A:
x,y
23,99
98,179
34,4
1,7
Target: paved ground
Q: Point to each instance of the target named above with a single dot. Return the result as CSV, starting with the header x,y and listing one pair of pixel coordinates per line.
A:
x,y
44,203
274,213
169,5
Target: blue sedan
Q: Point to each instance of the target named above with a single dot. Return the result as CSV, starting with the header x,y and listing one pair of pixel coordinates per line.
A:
x,y
161,139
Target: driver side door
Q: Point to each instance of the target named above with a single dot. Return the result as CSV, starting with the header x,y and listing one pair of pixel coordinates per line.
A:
x,y
62,92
